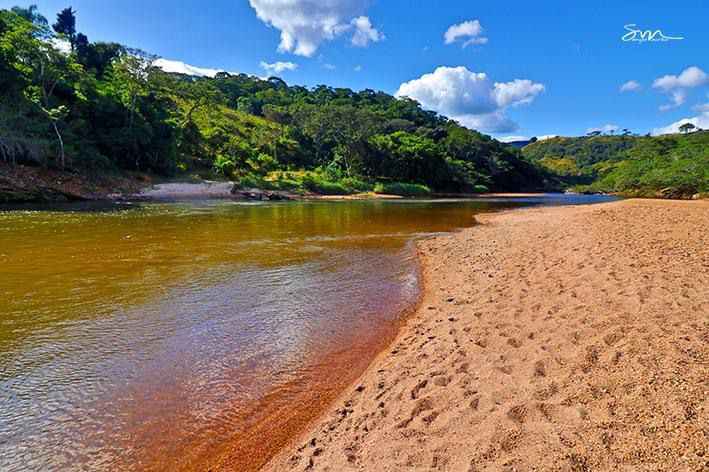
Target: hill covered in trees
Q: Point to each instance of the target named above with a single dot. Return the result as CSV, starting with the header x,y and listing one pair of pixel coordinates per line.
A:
x,y
96,108
674,166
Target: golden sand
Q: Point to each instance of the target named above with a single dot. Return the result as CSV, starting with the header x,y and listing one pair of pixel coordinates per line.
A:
x,y
569,339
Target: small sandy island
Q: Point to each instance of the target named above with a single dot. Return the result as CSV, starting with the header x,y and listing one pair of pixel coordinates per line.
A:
x,y
569,339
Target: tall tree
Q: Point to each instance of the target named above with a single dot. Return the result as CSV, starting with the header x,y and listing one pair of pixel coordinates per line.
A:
x,y
66,25
32,14
50,68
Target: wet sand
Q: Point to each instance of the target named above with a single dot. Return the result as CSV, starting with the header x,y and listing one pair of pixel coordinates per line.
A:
x,y
569,339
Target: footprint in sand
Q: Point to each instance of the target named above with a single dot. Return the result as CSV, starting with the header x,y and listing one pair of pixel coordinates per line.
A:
x,y
425,404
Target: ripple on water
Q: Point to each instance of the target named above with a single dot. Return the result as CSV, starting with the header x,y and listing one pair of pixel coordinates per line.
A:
x,y
147,336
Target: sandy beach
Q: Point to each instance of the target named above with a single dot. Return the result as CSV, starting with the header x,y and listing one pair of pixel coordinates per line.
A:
x,y
569,339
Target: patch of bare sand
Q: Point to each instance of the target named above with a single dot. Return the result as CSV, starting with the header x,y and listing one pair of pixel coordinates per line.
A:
x,y
569,339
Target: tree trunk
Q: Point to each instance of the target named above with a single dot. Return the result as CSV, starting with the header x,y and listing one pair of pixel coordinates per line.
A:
x,y
62,158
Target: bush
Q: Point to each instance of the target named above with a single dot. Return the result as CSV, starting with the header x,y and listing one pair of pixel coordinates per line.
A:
x,y
252,181
225,166
403,189
480,189
317,184
355,185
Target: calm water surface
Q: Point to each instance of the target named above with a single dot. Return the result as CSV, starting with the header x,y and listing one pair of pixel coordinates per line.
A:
x,y
142,332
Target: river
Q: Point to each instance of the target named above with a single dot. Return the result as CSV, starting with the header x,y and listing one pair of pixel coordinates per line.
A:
x,y
160,336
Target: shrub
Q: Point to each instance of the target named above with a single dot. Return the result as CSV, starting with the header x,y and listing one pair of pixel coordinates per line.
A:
x,y
355,185
251,181
317,184
480,188
403,189
223,165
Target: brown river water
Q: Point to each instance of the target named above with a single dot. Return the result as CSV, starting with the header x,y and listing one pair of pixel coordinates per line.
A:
x,y
165,336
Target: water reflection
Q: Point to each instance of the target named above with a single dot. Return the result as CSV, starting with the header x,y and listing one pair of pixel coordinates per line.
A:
x,y
143,337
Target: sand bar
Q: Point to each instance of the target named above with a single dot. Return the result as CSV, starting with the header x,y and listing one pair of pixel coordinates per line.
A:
x,y
569,339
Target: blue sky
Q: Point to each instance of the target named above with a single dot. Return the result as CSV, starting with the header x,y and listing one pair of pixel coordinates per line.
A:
x,y
572,51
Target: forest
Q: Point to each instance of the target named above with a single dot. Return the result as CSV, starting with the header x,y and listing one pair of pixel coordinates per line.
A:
x,y
669,166
101,109
95,108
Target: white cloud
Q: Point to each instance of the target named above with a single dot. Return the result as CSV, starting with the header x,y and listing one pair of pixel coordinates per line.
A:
x,y
689,78
678,99
495,122
517,92
61,44
609,128
329,66
306,24
278,67
470,32
358,68
178,67
700,121
677,85
547,136
630,86
365,32
470,97
511,139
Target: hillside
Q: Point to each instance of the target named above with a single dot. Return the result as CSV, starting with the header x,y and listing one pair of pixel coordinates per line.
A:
x,y
103,108
673,166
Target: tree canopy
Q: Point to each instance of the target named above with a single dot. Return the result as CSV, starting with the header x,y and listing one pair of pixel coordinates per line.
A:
x,y
105,107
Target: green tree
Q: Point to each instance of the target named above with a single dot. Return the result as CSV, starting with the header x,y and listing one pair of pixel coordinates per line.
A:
x,y
687,128
32,14
66,25
50,69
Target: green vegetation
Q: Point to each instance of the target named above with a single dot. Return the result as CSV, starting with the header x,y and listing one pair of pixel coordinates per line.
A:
x,y
403,189
671,166
99,108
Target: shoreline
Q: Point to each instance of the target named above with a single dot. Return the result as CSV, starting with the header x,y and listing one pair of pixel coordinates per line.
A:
x,y
252,453
464,387
22,185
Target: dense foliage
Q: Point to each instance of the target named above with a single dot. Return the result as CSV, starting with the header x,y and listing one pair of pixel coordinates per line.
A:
x,y
671,165
101,106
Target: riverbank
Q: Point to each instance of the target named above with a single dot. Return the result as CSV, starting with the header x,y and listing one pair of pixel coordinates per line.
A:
x,y
25,184
21,184
572,338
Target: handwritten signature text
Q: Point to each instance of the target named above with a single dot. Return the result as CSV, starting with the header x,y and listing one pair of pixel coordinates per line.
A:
x,y
635,34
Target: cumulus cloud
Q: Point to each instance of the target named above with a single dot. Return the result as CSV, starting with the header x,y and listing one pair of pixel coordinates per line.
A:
x,y
495,122
469,32
677,85
517,92
178,67
700,121
630,86
512,139
678,98
278,67
689,78
306,24
364,32
609,128
471,98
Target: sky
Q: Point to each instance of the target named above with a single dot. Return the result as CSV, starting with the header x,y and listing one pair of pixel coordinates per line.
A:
x,y
510,69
